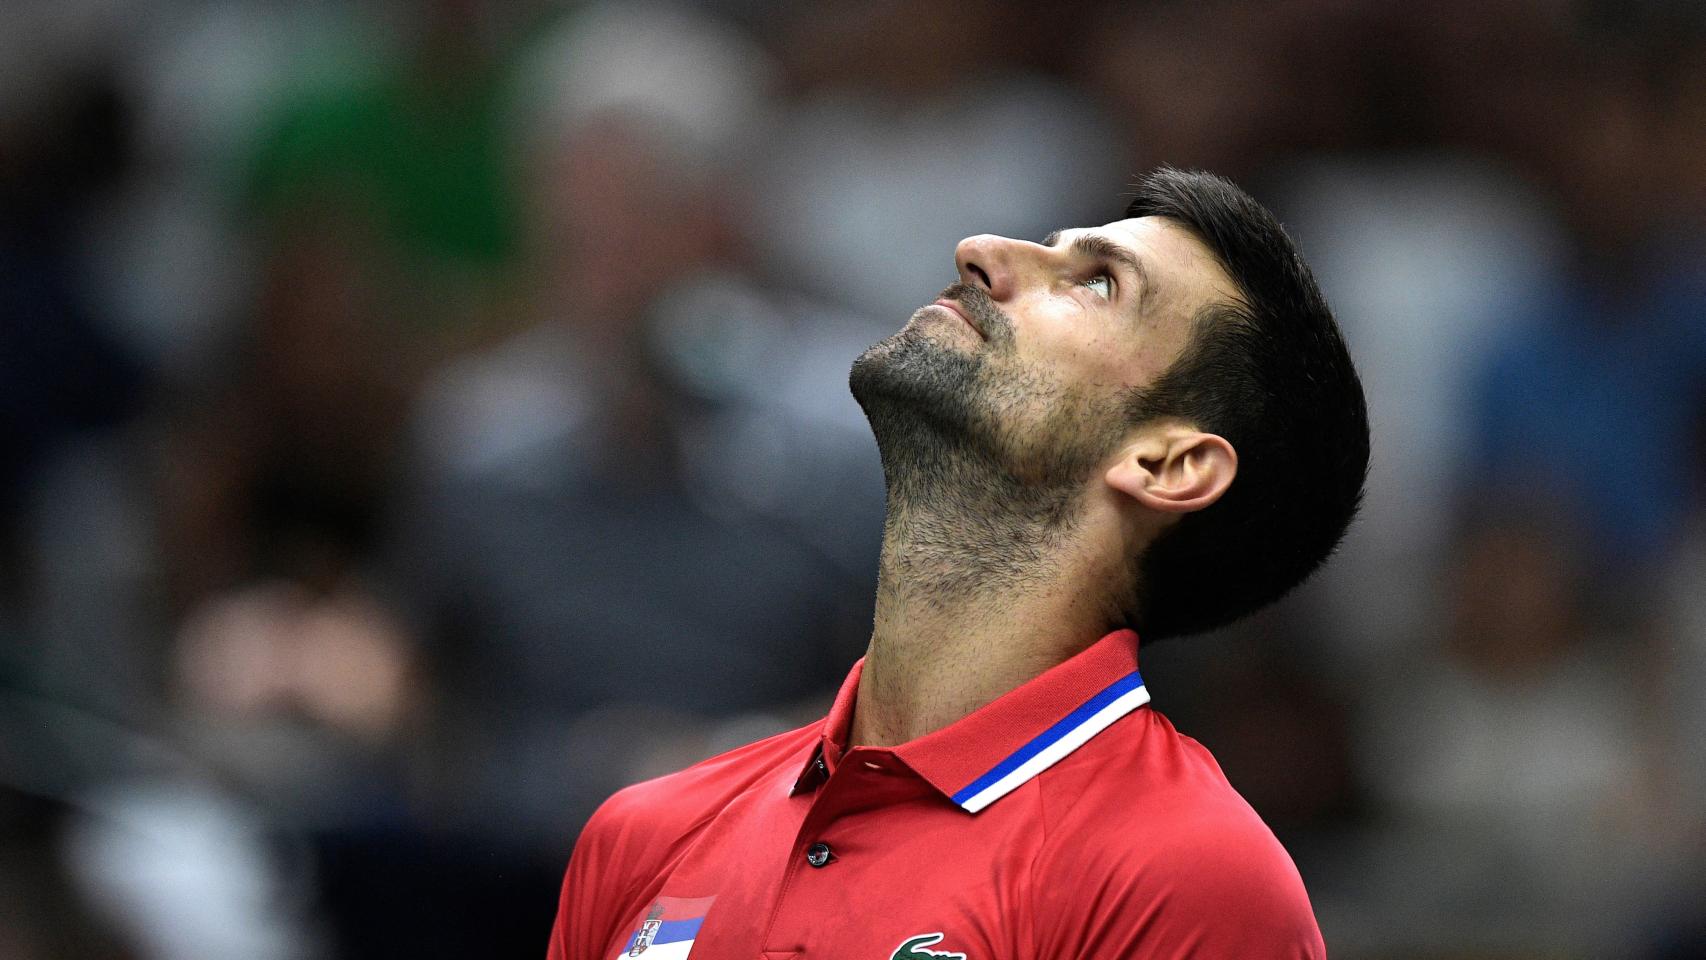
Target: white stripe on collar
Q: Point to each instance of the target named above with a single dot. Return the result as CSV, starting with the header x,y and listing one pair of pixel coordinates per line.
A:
x,y
1052,745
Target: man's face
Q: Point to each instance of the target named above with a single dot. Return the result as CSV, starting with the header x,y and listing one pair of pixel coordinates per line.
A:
x,y
1029,358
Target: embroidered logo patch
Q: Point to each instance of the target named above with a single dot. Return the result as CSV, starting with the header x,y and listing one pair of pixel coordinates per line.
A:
x,y
918,948
668,929
648,931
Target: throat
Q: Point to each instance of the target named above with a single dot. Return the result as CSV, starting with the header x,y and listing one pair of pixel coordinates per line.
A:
x,y
1000,557
971,603
958,550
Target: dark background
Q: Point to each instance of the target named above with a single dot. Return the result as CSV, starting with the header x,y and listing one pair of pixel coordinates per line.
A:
x,y
419,419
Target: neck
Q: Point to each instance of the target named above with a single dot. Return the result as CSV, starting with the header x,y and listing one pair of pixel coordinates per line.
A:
x,y
973,601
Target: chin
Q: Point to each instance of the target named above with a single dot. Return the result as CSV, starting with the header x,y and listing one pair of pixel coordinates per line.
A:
x,y
924,399
915,365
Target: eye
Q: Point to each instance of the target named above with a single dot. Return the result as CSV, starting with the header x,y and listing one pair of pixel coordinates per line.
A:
x,y
1102,284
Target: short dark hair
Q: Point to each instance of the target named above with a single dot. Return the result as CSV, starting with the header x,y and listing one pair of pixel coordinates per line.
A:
x,y
1269,371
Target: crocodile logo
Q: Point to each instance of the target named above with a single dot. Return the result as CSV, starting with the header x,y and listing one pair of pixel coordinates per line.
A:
x,y
918,948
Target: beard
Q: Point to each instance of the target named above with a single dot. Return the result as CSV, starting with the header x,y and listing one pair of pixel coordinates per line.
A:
x,y
971,430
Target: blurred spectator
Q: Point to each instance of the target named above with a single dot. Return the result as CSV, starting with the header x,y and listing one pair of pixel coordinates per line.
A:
x,y
1512,756
591,553
47,916
1592,394
1588,400
1425,259
62,373
1235,87
408,142
909,127
1604,370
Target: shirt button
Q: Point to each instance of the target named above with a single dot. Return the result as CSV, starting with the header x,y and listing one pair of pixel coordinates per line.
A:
x,y
817,854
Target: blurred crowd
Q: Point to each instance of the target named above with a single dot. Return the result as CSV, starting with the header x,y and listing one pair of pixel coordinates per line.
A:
x,y
420,419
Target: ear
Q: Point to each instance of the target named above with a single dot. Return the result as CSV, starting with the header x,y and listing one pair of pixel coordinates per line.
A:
x,y
1176,469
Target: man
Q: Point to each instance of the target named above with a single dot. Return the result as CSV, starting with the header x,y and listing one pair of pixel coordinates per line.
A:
x,y
1147,427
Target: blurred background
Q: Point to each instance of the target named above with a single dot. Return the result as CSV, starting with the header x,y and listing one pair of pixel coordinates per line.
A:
x,y
418,420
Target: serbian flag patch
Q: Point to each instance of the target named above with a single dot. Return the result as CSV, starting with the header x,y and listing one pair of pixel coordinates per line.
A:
x,y
667,929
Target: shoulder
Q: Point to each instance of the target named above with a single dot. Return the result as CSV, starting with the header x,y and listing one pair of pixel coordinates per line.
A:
x,y
1146,840
633,836
662,812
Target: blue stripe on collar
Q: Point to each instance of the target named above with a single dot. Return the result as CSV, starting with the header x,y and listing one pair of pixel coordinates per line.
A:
x,y
1049,747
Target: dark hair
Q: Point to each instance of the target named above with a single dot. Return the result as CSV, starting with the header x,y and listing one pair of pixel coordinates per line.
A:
x,y
1270,373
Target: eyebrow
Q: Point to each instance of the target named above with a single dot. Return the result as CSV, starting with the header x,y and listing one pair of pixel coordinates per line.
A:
x,y
1097,247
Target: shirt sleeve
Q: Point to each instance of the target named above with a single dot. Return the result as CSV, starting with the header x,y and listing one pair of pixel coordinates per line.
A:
x,y
571,934
596,883
1224,890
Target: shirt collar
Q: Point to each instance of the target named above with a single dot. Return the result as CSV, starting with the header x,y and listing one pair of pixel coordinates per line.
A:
x,y
986,755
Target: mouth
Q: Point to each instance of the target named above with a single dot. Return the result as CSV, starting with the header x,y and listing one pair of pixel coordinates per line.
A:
x,y
958,311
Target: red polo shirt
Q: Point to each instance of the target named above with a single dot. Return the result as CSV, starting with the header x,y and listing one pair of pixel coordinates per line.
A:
x,y
1060,821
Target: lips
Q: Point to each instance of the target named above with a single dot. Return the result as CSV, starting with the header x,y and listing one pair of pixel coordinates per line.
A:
x,y
959,311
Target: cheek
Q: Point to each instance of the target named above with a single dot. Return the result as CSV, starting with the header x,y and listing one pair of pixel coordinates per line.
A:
x,y
1109,359
1066,334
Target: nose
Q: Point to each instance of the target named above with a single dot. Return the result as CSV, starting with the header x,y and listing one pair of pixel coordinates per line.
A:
x,y
991,262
